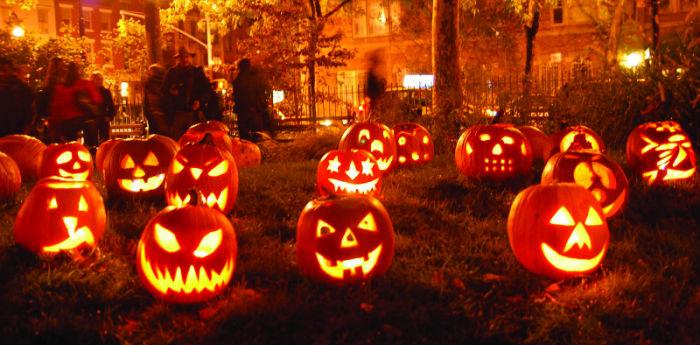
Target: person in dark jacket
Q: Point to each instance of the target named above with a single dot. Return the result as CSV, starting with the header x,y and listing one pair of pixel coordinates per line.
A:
x,y
105,109
251,93
17,101
153,101
214,111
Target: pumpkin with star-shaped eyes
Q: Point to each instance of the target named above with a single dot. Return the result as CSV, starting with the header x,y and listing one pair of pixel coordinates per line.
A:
x,y
206,168
60,214
70,160
344,239
246,153
558,230
576,138
187,254
374,138
10,177
137,167
661,152
218,130
493,152
594,171
26,151
413,144
348,172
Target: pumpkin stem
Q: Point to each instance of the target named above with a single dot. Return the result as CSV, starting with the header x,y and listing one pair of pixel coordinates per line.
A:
x,y
208,139
194,198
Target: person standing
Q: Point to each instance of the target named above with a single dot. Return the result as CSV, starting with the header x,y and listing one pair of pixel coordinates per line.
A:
x,y
106,109
251,92
186,92
376,85
17,100
153,100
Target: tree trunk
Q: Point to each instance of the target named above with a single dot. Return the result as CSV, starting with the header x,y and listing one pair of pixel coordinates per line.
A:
x,y
615,28
447,88
655,28
152,25
530,34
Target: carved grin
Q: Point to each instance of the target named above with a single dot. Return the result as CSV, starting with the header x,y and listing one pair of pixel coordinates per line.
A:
x,y
384,163
568,264
82,176
211,200
353,267
141,185
75,237
362,188
498,165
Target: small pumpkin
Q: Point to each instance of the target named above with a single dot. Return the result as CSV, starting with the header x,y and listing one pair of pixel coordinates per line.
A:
x,y
414,146
577,138
246,153
26,151
494,152
70,160
10,177
348,172
373,137
218,130
661,152
539,141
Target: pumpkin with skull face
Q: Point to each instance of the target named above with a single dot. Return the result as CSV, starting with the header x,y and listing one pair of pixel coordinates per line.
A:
x,y
344,239
594,171
558,230
206,168
494,152
60,214
26,151
70,160
374,138
348,172
246,153
10,177
218,130
661,152
137,167
413,144
187,254
577,138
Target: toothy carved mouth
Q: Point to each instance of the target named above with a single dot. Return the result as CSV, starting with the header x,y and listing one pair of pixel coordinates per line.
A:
x,y
211,200
362,188
496,165
139,185
75,237
193,281
568,264
356,266
82,176
384,163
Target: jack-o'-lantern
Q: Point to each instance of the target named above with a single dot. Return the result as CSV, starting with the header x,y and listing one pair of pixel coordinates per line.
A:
x,y
348,172
102,152
594,171
661,152
413,144
10,177
539,141
187,254
137,167
344,239
60,214
576,138
374,138
218,130
206,168
246,153
494,152
70,160
558,230
26,151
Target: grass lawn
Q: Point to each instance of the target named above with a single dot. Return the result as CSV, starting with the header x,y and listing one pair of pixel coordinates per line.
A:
x,y
454,279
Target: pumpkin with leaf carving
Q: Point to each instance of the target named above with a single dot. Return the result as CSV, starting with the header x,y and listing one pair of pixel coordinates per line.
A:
x,y
661,152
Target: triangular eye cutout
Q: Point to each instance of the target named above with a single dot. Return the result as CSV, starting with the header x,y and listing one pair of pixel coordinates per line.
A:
x,y
166,239
562,217
219,169
323,229
151,160
64,157
208,244
127,162
53,204
593,218
367,223
82,204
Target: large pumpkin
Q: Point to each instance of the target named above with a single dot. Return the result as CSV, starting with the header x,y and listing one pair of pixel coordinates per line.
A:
x,y
60,214
70,160
218,130
344,239
26,151
558,230
10,177
577,138
494,152
413,144
539,141
348,172
102,152
594,171
206,168
246,153
137,167
373,137
187,254
661,152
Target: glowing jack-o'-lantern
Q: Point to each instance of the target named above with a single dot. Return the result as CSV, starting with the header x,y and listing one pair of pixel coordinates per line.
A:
x,y
246,153
344,239
218,130
495,152
187,254
374,138
70,160
26,151
661,152
413,144
137,167
60,214
577,138
206,168
348,172
10,177
594,171
558,230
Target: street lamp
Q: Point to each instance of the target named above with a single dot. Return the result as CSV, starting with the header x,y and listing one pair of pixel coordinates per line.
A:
x,y
18,31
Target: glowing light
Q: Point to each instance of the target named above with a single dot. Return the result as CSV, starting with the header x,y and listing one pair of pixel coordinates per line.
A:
x,y
124,89
326,122
568,264
18,31
632,60
277,96
418,81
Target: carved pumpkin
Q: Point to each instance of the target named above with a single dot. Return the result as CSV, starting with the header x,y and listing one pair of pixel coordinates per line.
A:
x,y
246,153
344,239
539,141
494,152
206,168
348,172
218,130
594,171
413,144
60,214
187,254
374,138
661,152
26,151
558,230
577,138
70,160
102,152
137,167
10,177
